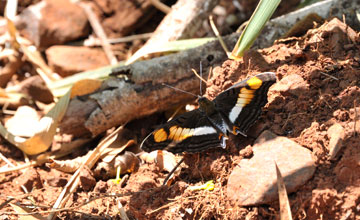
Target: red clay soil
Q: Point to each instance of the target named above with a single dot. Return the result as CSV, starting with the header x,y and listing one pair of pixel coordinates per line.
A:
x,y
327,59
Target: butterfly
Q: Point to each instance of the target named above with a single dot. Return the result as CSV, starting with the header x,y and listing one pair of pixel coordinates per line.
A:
x,y
232,111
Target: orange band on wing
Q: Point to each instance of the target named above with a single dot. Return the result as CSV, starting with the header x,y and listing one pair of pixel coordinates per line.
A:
x,y
160,135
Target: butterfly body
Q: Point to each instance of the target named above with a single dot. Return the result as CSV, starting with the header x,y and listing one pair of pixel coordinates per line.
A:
x,y
232,111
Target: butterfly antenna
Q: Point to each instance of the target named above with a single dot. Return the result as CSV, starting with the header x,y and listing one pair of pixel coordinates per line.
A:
x,y
201,79
180,90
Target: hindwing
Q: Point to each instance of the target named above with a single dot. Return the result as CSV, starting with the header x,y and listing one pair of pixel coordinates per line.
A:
x,y
242,103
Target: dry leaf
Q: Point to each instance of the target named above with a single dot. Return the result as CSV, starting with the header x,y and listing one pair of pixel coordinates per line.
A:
x,y
128,162
45,131
84,87
164,160
285,211
124,140
107,156
67,166
90,160
23,122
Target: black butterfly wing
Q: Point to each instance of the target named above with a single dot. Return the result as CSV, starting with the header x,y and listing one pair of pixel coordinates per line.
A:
x,y
189,132
241,104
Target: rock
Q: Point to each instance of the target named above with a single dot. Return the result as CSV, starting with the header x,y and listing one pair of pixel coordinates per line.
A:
x,y
101,187
292,84
336,134
68,60
124,16
57,178
253,181
53,22
36,88
30,180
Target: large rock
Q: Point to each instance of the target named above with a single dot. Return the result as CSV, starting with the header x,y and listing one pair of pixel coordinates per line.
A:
x,y
253,181
53,22
124,16
68,60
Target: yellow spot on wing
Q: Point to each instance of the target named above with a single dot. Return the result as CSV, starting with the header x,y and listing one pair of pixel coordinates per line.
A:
x,y
160,135
254,82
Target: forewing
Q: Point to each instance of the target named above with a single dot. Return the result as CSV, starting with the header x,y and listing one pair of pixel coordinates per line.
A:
x,y
189,132
241,104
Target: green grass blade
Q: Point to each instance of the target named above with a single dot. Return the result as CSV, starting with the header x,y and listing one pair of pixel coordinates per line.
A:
x,y
261,15
60,87
172,46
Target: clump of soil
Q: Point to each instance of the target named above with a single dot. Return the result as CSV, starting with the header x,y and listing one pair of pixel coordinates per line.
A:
x,y
319,85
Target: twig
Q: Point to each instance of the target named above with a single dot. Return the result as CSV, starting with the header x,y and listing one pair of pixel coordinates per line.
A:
x,y
355,118
61,209
6,160
99,31
23,166
286,122
162,207
161,6
332,77
198,76
129,38
8,200
217,34
122,212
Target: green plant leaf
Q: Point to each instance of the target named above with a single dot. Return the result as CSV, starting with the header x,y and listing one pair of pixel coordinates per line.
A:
x,y
261,15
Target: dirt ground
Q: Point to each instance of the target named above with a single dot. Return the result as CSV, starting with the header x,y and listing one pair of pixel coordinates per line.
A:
x,y
326,58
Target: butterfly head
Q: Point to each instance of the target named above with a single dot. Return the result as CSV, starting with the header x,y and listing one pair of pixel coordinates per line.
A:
x,y
206,106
